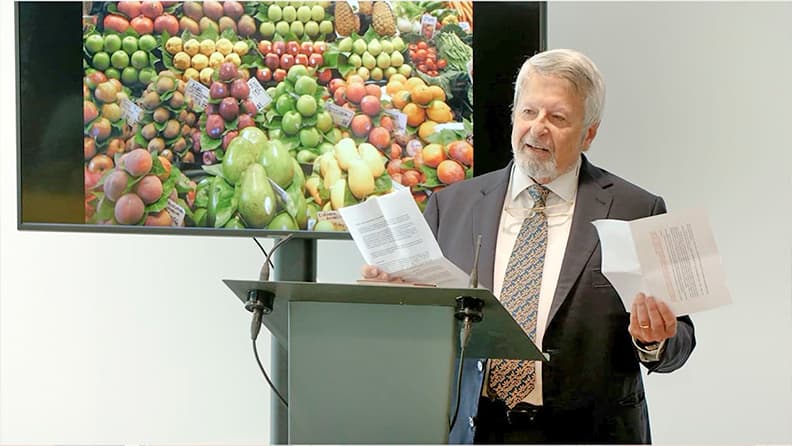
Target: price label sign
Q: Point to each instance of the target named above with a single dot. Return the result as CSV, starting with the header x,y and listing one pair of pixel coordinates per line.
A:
x,y
399,121
258,95
341,116
130,111
176,212
428,26
198,92
455,126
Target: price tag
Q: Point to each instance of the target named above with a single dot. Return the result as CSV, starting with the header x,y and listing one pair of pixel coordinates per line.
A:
x,y
399,121
333,217
176,212
341,116
198,92
355,5
258,95
465,26
455,126
428,26
130,111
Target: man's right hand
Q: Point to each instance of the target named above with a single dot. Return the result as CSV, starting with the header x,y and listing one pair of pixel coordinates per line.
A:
x,y
371,272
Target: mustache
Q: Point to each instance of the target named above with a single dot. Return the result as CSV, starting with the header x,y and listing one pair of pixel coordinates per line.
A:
x,y
533,142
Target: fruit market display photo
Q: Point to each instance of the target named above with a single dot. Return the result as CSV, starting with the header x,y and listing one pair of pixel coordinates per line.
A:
x,y
271,115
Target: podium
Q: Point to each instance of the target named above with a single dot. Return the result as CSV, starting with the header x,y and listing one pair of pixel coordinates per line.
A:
x,y
372,363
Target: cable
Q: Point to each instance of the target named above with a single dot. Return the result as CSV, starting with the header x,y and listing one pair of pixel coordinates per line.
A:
x,y
464,337
261,367
264,251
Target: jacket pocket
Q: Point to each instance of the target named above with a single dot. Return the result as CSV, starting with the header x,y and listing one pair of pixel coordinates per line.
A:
x,y
598,280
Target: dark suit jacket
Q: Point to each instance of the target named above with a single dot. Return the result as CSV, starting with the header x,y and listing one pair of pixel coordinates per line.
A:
x,y
592,386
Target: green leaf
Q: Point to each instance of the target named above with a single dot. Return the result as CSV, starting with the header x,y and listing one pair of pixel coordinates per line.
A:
x,y
231,125
261,16
431,177
383,184
140,140
330,59
215,170
208,144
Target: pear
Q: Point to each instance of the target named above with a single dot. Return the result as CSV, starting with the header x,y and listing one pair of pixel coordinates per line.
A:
x,y
383,60
361,180
374,47
345,152
373,159
369,61
396,59
337,192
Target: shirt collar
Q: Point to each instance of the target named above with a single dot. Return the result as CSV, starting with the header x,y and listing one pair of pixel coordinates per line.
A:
x,y
565,186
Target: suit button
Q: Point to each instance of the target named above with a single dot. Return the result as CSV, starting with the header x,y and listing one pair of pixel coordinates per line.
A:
x,y
471,422
480,365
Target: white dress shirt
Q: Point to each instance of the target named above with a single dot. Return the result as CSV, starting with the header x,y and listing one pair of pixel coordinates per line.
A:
x,y
559,206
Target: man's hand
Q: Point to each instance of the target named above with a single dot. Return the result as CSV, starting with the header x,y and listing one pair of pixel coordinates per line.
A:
x,y
651,320
371,272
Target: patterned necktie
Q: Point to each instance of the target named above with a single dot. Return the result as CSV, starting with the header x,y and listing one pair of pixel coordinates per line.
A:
x,y
511,380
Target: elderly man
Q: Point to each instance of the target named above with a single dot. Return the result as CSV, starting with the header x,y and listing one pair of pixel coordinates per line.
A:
x,y
540,255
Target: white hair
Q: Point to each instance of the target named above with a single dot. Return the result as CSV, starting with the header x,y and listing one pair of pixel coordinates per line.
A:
x,y
573,66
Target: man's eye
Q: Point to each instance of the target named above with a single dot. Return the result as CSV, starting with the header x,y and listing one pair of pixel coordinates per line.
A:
x,y
559,118
529,112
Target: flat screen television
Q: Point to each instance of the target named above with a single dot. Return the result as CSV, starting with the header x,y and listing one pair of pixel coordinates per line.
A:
x,y
260,117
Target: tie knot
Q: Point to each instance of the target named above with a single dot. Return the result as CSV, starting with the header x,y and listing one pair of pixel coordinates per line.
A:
x,y
539,194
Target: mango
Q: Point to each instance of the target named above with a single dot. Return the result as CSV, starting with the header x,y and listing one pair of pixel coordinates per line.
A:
x,y
239,155
312,186
361,180
331,172
345,152
277,161
256,198
373,158
337,191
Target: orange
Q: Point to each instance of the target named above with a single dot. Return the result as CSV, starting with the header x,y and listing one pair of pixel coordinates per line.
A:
x,y
421,95
440,112
426,129
414,82
437,93
415,114
393,87
398,77
400,99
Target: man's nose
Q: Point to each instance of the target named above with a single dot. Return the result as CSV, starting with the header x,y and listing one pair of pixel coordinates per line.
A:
x,y
539,125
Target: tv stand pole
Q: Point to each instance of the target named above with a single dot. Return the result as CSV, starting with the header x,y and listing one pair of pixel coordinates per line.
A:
x,y
295,261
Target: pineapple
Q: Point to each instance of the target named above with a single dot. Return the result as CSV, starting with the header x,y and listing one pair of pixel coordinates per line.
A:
x,y
365,7
382,19
346,21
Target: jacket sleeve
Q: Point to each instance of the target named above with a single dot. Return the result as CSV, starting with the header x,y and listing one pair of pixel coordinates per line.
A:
x,y
678,348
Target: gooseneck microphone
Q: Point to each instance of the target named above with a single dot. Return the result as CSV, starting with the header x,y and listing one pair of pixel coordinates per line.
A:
x,y
468,311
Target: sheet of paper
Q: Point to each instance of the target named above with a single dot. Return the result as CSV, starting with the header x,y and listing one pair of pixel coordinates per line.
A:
x,y
670,256
391,234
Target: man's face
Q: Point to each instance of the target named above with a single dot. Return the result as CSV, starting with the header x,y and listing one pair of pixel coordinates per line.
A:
x,y
547,130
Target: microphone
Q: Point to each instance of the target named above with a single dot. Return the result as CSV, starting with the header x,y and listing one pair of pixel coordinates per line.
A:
x,y
261,302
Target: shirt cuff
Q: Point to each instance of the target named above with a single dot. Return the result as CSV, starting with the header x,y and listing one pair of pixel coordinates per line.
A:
x,y
650,354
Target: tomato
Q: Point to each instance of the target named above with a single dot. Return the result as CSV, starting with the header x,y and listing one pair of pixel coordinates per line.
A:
x,y
422,45
441,64
420,55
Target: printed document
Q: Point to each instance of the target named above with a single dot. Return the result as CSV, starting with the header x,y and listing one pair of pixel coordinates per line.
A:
x,y
392,235
672,257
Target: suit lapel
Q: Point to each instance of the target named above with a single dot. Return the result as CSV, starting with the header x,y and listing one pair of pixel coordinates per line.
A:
x,y
593,202
486,220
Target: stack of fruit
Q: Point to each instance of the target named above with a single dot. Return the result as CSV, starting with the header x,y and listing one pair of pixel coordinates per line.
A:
x,y
229,110
348,174
297,115
199,59
294,20
371,57
213,17
139,189
129,59
105,127
167,124
378,13
144,17
280,55
424,56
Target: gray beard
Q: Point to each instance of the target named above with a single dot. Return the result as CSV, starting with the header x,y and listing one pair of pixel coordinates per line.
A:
x,y
537,170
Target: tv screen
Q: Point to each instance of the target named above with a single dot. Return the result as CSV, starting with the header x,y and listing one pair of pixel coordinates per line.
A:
x,y
256,118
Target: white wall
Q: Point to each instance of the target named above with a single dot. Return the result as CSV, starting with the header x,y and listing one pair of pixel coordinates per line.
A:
x,y
134,340
698,110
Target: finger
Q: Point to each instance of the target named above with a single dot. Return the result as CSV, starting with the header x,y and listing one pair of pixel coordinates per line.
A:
x,y
669,319
641,312
370,271
383,276
656,323
633,329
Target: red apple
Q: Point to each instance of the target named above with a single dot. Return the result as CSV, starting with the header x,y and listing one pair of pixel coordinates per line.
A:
x,y
306,48
264,74
315,60
293,48
301,59
279,75
279,47
264,47
272,61
319,47
286,61
325,76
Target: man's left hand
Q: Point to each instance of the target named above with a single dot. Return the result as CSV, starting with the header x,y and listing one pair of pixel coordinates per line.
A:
x,y
651,320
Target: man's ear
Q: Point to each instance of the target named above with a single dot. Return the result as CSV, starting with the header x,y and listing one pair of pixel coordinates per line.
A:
x,y
588,136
